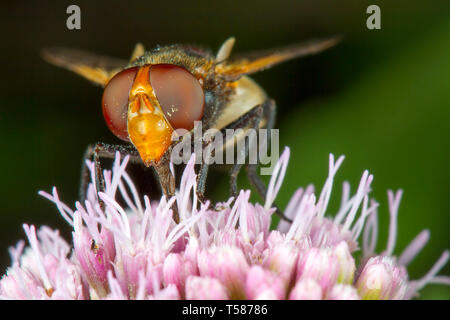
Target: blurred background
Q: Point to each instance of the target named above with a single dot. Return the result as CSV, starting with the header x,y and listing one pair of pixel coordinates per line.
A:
x,y
381,98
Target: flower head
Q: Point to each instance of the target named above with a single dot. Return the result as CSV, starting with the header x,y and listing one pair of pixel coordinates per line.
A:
x,y
222,251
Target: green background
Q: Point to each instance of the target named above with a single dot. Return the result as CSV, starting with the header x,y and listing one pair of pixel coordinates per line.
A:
x,y
381,98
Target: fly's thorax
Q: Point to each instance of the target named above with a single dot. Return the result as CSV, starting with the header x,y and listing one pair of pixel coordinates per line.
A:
x,y
245,95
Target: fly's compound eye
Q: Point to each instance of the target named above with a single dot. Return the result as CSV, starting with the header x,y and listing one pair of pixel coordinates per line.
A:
x,y
179,93
115,102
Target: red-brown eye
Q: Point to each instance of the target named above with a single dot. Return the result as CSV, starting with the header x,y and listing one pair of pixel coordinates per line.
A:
x,y
179,93
115,102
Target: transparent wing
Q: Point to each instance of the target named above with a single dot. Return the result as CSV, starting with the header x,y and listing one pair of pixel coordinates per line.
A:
x,y
233,68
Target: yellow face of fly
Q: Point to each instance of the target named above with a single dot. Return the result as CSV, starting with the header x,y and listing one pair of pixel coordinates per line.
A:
x,y
148,129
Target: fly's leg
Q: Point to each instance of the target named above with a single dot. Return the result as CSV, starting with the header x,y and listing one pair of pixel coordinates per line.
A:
x,y
96,152
265,111
252,120
201,178
253,177
107,151
92,153
167,182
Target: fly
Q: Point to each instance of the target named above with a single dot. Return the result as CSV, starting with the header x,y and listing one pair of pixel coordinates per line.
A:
x,y
168,88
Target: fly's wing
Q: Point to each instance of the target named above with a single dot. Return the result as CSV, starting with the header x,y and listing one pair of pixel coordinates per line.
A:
x,y
95,68
235,67
247,93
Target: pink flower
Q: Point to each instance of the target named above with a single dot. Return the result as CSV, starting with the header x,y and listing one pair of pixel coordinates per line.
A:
x,y
222,251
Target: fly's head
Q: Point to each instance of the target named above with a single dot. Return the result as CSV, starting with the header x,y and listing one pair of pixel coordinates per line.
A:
x,y
144,105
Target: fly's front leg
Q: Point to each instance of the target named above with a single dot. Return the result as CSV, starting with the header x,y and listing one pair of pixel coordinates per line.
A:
x,y
96,152
92,154
167,182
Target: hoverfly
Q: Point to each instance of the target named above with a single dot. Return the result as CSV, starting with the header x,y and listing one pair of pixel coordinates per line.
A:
x,y
156,92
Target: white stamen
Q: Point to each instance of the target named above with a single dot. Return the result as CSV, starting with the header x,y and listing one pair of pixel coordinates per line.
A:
x,y
371,230
277,178
16,252
30,231
325,195
363,188
394,202
414,248
431,275
63,209
124,217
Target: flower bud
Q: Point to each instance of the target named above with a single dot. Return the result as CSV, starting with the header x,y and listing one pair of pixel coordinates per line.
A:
x,y
176,269
319,264
128,274
168,293
282,260
17,284
381,279
306,289
228,265
343,292
346,262
205,288
263,284
94,260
